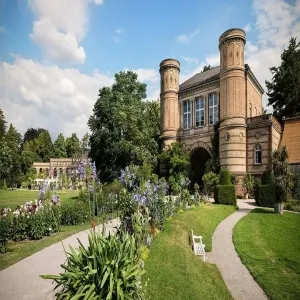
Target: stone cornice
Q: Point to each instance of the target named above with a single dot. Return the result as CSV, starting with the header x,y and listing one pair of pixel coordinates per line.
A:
x,y
197,88
232,40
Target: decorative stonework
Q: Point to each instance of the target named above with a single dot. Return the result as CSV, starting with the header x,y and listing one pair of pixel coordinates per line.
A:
x,y
257,135
227,136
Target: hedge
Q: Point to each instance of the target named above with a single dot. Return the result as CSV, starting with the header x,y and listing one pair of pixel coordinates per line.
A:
x,y
265,195
225,194
225,178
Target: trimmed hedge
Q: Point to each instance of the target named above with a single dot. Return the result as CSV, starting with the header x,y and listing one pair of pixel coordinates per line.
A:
x,y
265,195
225,178
225,194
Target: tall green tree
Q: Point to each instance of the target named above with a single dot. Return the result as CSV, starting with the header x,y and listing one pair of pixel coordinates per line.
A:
x,y
13,140
84,144
121,133
2,125
284,88
59,146
44,146
32,134
72,145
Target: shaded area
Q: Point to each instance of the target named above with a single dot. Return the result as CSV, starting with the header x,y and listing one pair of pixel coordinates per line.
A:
x,y
199,157
268,244
173,270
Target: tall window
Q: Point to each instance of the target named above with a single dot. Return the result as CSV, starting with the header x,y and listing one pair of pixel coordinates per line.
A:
x,y
186,114
257,154
213,109
200,112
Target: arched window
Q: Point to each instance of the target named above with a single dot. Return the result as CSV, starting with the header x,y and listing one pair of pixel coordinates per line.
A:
x,y
257,154
250,108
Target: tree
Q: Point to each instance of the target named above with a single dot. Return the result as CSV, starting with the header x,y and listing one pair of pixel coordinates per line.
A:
x,y
84,144
2,125
60,147
282,176
13,140
123,131
44,146
28,158
284,89
213,164
72,145
32,134
175,160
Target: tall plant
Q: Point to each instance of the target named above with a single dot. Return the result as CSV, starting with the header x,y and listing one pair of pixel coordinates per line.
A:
x,y
282,176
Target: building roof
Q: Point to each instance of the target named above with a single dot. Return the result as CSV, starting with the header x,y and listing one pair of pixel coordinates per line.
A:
x,y
201,78
214,74
291,139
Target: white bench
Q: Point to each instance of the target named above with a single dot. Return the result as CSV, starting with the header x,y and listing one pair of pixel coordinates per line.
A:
x,y
198,246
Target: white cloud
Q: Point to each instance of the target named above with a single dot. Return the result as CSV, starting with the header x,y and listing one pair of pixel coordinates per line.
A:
x,y
276,22
35,95
186,38
190,60
147,75
119,30
57,45
248,27
61,22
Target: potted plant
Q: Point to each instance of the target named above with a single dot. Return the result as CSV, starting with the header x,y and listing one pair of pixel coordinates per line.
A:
x,y
210,179
248,185
282,176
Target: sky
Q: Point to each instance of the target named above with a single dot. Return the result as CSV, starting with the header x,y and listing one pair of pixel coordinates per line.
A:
x,y
55,55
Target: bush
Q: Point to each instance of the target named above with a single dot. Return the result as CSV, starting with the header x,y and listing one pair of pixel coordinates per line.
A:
x,y
19,228
225,178
225,194
293,205
296,190
267,177
266,195
36,226
210,180
74,212
107,269
249,184
5,232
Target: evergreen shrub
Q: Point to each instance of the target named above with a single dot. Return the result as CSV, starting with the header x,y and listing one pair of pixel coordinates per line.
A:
x,y
225,194
225,178
265,195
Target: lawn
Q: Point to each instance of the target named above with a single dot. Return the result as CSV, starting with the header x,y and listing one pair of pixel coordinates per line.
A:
x,y
269,246
173,270
12,198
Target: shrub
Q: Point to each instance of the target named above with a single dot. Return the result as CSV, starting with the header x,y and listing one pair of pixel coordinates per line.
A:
x,y
266,195
296,190
210,180
267,177
293,205
107,269
5,232
19,228
51,218
74,212
36,226
249,184
225,194
225,178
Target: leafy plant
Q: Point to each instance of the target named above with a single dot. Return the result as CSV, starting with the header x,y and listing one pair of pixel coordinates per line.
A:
x,y
5,232
36,226
249,184
210,180
225,178
108,268
19,228
74,212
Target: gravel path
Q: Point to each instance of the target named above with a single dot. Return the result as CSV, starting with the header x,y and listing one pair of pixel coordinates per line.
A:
x,y
22,281
236,276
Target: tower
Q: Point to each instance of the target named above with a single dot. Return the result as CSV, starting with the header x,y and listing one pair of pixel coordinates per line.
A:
x,y
232,101
169,87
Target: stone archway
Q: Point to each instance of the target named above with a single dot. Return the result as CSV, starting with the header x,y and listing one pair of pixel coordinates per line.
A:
x,y
198,158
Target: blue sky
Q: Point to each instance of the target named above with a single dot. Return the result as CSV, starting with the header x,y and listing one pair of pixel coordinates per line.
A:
x,y
56,54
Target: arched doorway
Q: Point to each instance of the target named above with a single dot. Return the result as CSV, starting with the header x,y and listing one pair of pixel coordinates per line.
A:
x,y
199,157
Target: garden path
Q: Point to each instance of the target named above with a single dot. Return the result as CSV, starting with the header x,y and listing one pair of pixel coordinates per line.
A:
x,y
22,281
236,276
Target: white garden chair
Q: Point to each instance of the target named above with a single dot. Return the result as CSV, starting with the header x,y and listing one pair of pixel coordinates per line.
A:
x,y
198,246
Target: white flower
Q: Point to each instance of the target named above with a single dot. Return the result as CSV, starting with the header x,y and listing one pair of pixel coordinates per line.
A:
x,y
22,206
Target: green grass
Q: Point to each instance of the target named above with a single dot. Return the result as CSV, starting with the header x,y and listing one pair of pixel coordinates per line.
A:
x,y
12,198
173,270
269,245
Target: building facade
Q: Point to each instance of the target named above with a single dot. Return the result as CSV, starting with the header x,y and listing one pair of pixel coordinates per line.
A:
x,y
229,94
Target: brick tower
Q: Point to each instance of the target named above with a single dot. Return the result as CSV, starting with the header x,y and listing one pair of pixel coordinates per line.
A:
x,y
232,102
169,87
